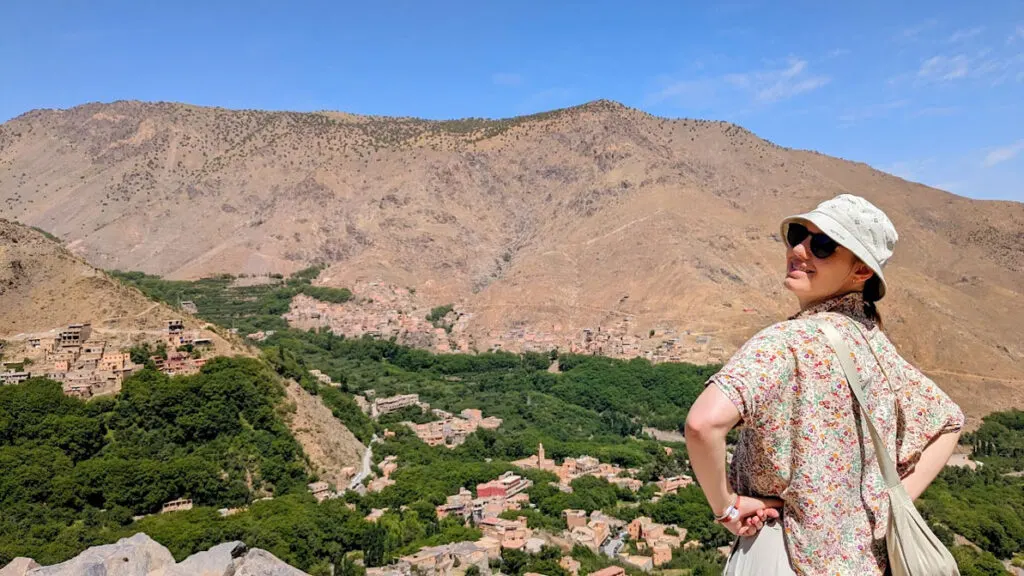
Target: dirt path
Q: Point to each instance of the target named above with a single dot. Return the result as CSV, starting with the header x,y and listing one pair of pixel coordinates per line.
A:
x,y
971,375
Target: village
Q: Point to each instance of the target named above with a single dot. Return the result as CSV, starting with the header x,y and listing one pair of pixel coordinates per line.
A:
x,y
88,365
387,311
492,506
489,507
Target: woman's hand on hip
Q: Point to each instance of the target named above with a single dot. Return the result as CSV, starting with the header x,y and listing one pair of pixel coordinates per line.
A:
x,y
753,513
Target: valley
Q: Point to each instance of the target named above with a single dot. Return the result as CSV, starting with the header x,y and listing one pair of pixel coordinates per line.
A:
x,y
389,347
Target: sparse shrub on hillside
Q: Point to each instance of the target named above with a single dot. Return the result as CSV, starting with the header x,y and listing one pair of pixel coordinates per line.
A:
x,y
47,234
326,294
438,313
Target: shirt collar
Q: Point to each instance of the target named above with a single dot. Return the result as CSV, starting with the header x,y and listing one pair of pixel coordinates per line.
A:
x,y
850,304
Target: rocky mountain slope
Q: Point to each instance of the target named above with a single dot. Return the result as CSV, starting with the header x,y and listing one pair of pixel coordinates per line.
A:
x,y
328,444
559,221
43,286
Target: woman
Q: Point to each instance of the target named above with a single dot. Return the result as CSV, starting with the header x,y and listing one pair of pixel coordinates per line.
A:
x,y
802,450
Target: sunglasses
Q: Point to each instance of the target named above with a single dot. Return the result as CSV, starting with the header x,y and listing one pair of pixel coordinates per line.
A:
x,y
821,245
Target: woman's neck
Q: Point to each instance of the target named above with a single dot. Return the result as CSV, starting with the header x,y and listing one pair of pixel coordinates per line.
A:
x,y
811,303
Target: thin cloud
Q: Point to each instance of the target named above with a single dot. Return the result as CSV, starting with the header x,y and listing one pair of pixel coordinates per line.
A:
x,y
763,86
912,32
942,68
965,34
955,186
693,93
1002,154
935,111
506,79
1018,34
837,53
996,68
912,170
773,85
547,99
855,115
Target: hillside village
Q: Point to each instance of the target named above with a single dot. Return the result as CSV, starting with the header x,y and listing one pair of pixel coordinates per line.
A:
x,y
90,364
386,311
652,543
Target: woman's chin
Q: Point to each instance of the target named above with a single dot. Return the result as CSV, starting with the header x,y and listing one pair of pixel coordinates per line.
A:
x,y
796,285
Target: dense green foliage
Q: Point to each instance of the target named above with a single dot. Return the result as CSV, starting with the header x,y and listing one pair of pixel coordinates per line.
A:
x,y
247,308
985,507
999,441
974,563
202,437
593,396
328,294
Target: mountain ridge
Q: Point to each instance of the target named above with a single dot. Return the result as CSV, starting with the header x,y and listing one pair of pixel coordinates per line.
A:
x,y
545,221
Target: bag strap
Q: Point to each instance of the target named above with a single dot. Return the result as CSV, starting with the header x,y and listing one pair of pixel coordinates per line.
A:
x,y
881,366
892,478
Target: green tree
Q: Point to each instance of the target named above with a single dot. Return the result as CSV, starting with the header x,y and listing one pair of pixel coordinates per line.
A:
x,y
376,546
514,562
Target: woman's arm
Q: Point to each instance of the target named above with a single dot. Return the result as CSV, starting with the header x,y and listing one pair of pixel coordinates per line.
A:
x,y
707,424
933,458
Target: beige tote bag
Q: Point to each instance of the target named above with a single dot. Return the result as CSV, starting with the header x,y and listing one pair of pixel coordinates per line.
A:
x,y
913,549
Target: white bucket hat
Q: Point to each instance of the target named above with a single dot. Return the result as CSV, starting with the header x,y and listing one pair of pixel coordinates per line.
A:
x,y
857,225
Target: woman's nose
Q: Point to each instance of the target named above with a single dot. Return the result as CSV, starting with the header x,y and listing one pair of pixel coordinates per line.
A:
x,y
801,250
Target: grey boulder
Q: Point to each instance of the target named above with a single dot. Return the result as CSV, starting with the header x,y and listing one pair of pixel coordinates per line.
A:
x,y
258,562
214,562
18,567
139,555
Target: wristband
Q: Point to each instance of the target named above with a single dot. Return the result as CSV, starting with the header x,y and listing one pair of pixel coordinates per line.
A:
x,y
731,513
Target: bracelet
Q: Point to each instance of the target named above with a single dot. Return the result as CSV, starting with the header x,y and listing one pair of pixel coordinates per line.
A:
x,y
731,513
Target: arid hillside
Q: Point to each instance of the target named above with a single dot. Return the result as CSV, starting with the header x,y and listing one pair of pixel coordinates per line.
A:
x,y
560,221
44,287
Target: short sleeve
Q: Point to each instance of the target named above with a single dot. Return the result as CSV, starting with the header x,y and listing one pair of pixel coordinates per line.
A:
x,y
925,413
757,370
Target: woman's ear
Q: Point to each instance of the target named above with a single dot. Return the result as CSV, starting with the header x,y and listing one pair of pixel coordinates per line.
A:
x,y
861,272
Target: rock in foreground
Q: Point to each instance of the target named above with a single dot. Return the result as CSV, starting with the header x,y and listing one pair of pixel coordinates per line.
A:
x,y
18,567
140,555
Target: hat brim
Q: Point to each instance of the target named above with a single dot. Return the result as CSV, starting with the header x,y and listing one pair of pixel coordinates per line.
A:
x,y
844,238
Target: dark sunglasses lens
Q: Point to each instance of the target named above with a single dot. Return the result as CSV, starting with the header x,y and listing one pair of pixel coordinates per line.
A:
x,y
795,234
822,246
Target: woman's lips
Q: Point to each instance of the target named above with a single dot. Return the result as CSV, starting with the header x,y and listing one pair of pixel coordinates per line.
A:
x,y
796,270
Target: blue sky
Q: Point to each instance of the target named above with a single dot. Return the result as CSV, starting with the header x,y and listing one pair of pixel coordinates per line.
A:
x,y
930,91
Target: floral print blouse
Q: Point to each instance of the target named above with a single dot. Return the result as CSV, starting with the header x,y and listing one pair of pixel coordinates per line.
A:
x,y
802,438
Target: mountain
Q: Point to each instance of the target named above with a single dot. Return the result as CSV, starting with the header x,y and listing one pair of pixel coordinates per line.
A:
x,y
44,287
577,218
